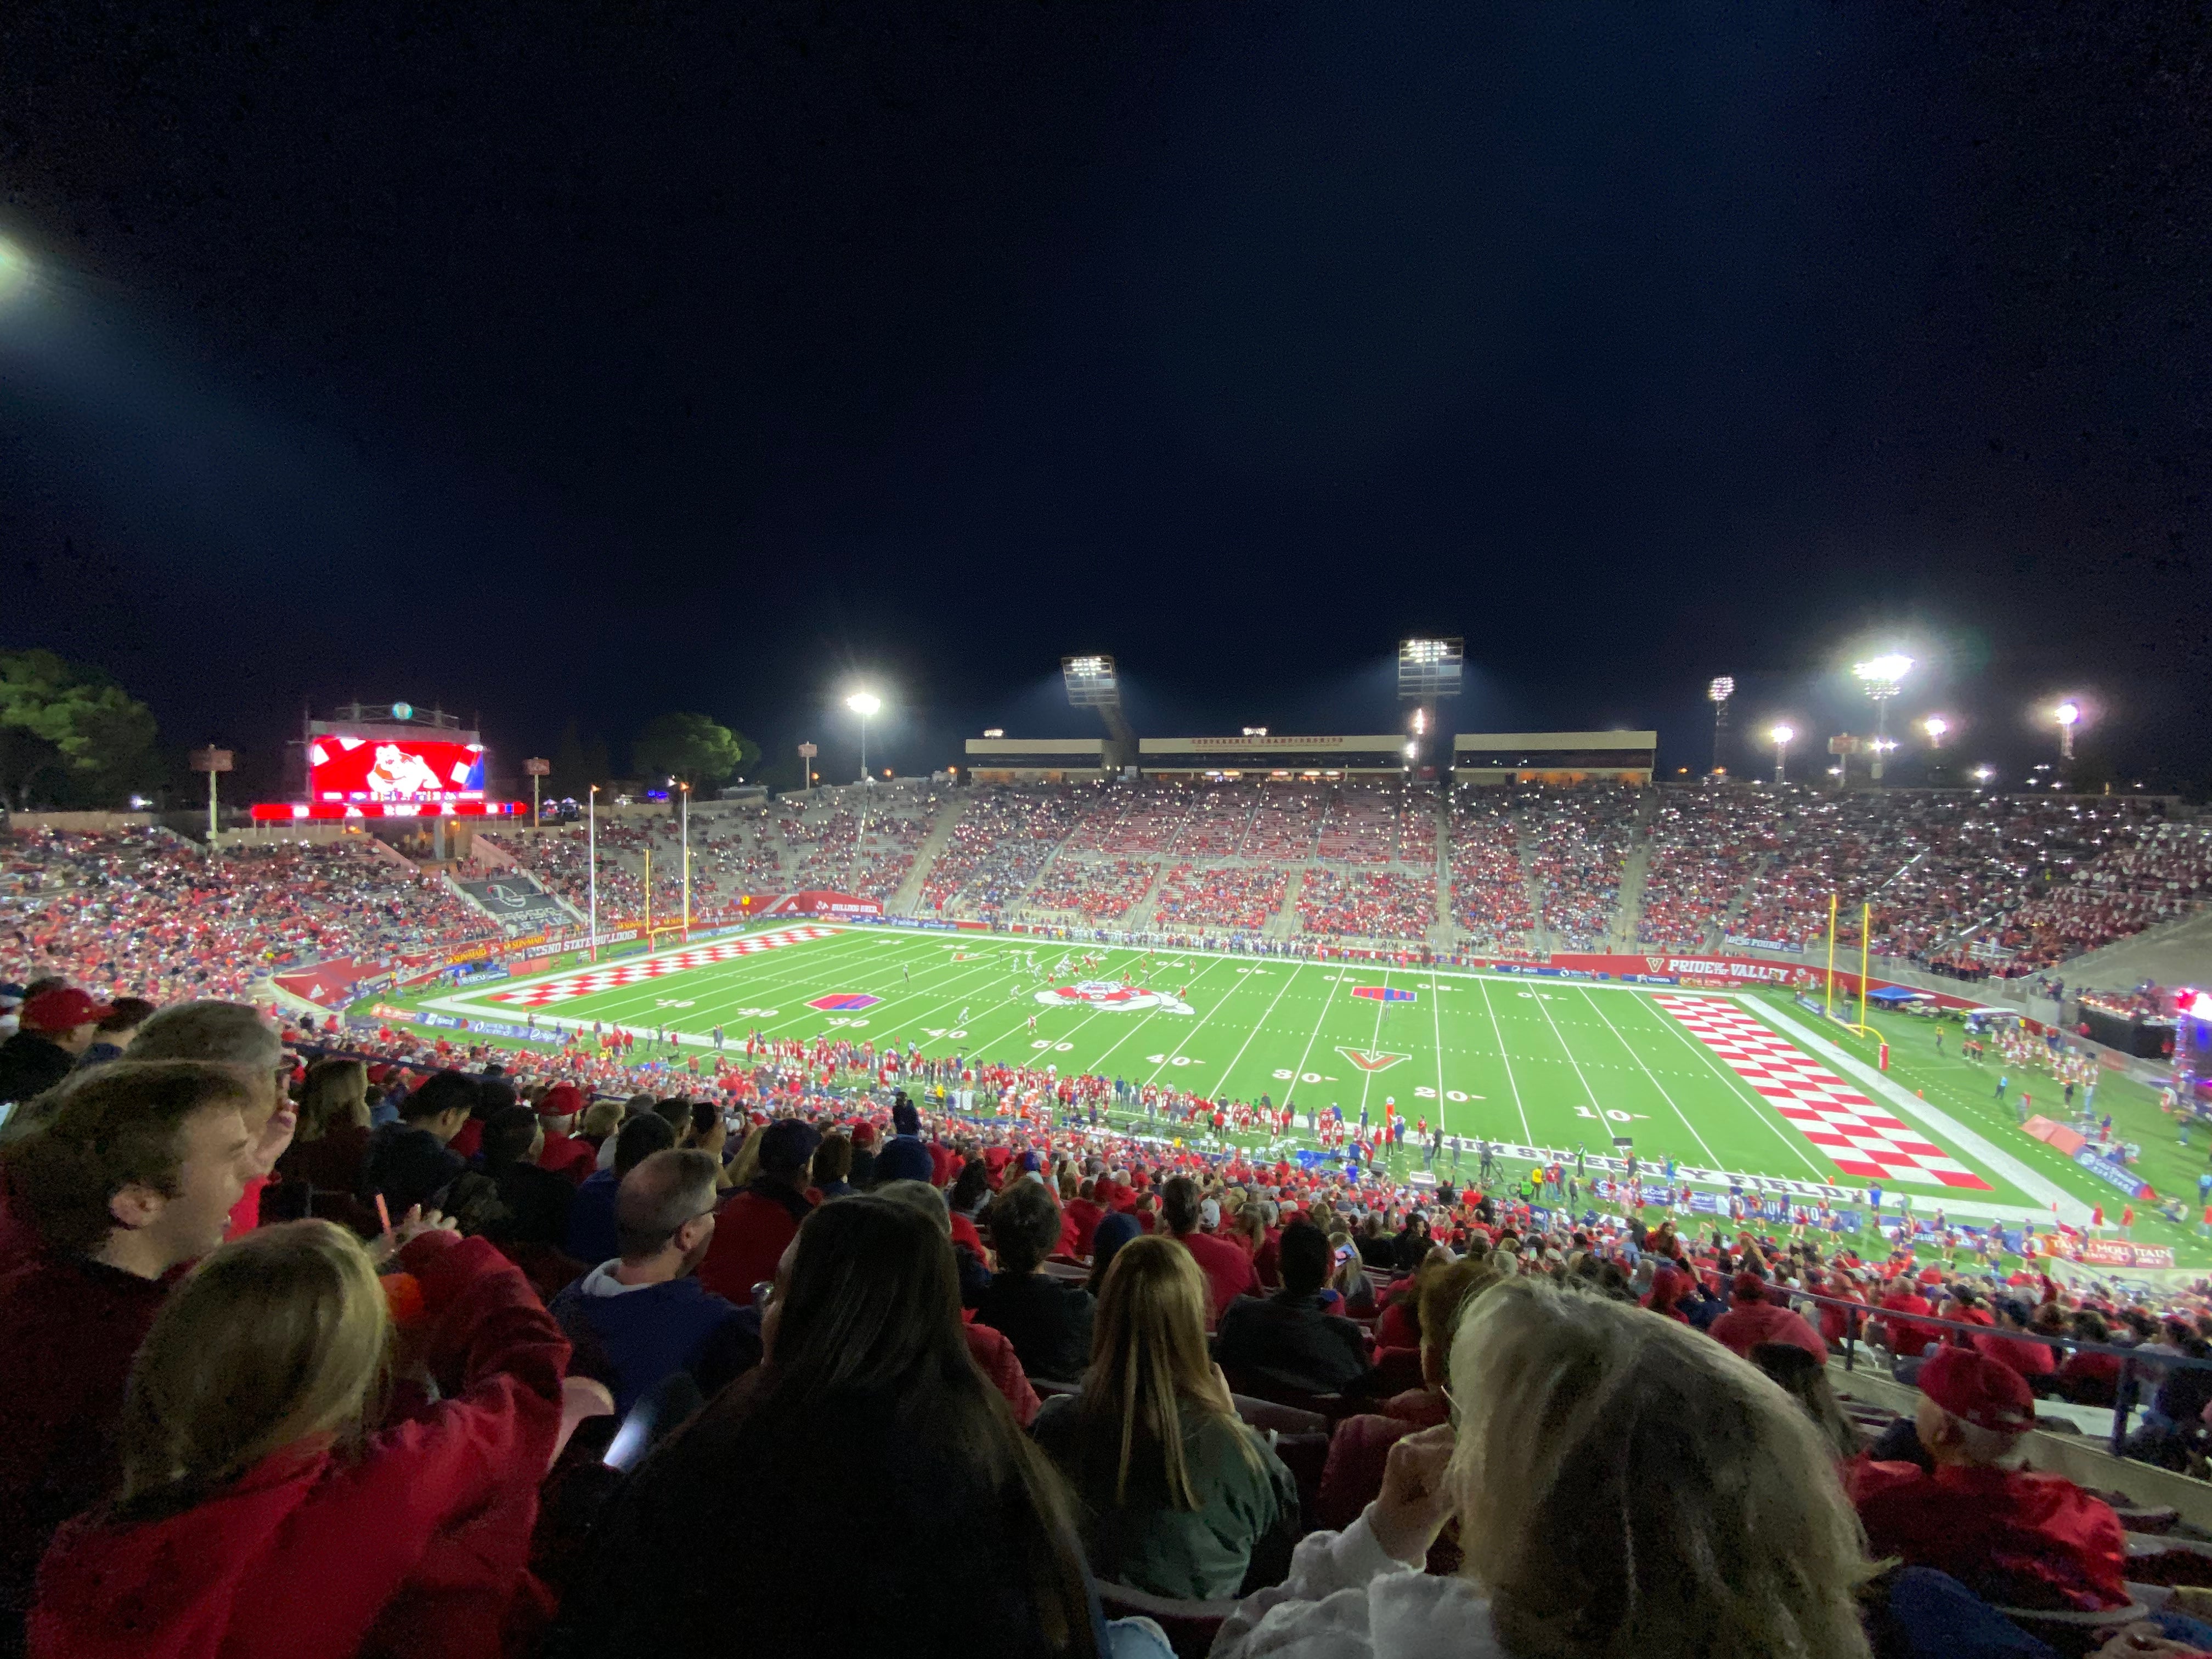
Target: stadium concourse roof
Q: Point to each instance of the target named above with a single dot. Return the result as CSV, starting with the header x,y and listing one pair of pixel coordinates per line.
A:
x,y
1497,756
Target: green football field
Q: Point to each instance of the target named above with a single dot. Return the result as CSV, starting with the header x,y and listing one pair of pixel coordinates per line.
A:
x,y
1536,1064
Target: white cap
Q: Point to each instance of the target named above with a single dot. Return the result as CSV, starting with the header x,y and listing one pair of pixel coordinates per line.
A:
x,y
1209,1214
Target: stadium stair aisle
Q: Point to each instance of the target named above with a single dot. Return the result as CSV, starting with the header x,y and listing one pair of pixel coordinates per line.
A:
x,y
1734,911
1631,910
1284,924
1443,936
952,807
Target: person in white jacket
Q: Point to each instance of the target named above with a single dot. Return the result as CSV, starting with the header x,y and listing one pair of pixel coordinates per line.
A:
x,y
1625,1488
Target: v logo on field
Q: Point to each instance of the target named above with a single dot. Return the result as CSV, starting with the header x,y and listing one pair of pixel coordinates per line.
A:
x,y
1368,1060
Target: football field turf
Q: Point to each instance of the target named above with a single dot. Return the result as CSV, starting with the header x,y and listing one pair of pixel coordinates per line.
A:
x,y
1725,1084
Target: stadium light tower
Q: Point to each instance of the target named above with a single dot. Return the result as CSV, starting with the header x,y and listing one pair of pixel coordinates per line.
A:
x,y
1429,671
1093,681
1935,726
864,703
1718,693
1781,735
1881,678
2069,715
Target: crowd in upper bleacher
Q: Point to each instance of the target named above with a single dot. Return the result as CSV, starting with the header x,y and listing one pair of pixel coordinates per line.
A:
x,y
315,1351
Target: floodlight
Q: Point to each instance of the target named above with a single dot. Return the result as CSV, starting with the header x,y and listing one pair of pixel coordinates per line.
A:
x,y
1883,671
1092,682
2069,715
1722,689
1935,726
1983,773
864,703
2068,712
1412,750
1429,669
995,730
1782,734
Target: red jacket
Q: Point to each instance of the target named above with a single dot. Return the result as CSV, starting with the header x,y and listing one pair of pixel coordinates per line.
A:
x,y
995,1358
751,1235
417,1547
1908,1338
566,1156
72,1326
2015,1539
1747,1324
1229,1272
1084,1216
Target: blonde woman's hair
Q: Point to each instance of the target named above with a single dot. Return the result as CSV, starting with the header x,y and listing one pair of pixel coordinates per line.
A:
x,y
746,1164
279,1337
1628,1486
602,1117
335,1093
1149,1365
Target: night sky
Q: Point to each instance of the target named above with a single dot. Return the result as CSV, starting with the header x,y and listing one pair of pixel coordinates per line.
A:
x,y
588,360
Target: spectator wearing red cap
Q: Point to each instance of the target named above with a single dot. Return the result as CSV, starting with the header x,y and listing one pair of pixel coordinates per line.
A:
x,y
2015,1538
1752,1319
133,1176
58,1026
562,1153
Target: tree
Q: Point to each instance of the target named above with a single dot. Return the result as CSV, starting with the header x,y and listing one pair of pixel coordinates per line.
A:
x,y
694,748
69,735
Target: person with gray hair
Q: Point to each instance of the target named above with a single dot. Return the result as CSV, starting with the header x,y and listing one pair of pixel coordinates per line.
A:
x,y
638,1320
235,1034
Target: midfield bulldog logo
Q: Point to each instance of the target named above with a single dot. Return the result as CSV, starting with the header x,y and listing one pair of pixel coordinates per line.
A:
x,y
1109,998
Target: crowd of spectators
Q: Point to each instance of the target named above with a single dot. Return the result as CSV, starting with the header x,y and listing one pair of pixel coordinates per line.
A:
x,y
1705,843
1099,890
1219,816
1394,904
149,912
1286,824
2164,874
996,850
1234,897
1489,887
1579,836
303,1359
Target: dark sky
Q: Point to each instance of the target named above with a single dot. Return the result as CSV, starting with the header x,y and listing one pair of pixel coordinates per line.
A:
x,y
593,360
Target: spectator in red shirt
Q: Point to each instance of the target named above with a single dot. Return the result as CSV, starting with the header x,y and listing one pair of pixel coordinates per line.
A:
x,y
133,1176
2012,1537
1752,1319
2031,1359
756,1225
1229,1271
261,1508
1908,1338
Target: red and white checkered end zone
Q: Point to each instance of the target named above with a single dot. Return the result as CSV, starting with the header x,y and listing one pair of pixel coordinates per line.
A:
x,y
1862,1138
590,982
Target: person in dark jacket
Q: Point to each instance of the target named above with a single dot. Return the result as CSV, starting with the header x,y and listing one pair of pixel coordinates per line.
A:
x,y
1288,1340
409,1162
537,1200
58,1025
1048,1322
592,1236
639,1319
113,1034
863,1174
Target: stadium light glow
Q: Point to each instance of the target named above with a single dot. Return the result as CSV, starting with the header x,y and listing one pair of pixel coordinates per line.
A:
x,y
995,730
1881,678
1412,749
1722,689
1983,773
2069,715
1780,735
14,270
1429,669
1935,726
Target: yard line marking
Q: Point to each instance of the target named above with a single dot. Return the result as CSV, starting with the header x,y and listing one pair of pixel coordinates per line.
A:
x,y
1528,1135
1289,980
1712,1162
1314,1035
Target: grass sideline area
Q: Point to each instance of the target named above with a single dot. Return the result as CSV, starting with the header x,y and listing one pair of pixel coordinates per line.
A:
x,y
1539,1062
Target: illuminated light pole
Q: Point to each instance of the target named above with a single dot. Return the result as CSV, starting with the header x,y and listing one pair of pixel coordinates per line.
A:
x,y
1718,693
687,863
1935,726
1781,735
1983,773
864,703
2069,715
592,869
1882,676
